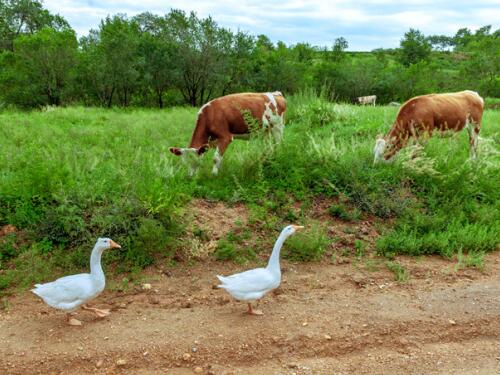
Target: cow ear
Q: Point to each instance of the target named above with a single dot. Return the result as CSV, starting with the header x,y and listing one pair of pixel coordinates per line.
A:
x,y
202,149
175,151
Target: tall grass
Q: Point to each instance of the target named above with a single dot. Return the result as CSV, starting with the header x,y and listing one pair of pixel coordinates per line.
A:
x,y
70,175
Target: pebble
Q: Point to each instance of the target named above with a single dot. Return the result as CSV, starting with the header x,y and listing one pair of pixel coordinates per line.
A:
x,y
198,370
328,337
154,300
304,324
99,363
452,322
186,356
121,362
146,286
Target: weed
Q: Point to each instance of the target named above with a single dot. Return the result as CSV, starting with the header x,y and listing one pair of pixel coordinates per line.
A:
x,y
401,274
359,247
471,259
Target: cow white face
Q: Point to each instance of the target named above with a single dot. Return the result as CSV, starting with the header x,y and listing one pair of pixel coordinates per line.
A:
x,y
189,156
378,150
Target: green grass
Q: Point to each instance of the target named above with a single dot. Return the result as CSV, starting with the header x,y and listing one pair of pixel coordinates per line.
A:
x,y
70,175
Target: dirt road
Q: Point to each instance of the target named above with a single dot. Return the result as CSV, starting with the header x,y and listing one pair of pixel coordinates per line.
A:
x,y
324,319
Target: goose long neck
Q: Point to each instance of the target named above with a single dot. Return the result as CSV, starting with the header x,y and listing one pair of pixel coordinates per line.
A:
x,y
95,263
274,260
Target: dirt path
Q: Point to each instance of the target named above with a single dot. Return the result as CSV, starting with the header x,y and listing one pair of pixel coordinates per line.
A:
x,y
325,319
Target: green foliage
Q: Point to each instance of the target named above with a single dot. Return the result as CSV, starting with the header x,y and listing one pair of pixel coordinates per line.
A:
x,y
23,17
179,58
414,48
233,248
40,69
341,211
308,245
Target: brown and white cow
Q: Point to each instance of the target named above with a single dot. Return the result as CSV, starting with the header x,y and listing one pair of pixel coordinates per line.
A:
x,y
422,115
371,99
223,119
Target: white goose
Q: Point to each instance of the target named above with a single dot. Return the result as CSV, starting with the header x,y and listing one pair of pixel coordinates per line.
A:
x,y
251,285
69,292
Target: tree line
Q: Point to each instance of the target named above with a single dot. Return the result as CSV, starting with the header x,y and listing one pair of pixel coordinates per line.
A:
x,y
179,58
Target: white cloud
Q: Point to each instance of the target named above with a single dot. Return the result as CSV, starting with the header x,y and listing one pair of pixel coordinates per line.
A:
x,y
366,24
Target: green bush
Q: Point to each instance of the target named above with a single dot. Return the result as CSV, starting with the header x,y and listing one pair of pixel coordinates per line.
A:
x,y
308,245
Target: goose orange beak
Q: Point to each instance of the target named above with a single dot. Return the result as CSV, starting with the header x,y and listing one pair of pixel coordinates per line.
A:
x,y
298,227
114,245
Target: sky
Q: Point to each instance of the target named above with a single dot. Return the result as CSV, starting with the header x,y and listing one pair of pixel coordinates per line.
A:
x,y
366,24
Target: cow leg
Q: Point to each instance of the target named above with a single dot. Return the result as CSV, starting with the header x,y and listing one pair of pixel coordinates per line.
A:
x,y
277,127
473,130
222,144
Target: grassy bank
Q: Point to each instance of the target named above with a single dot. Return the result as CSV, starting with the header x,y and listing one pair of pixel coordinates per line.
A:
x,y
69,175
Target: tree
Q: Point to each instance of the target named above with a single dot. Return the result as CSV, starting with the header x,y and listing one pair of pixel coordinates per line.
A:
x,y
481,69
159,55
338,49
40,68
110,61
440,42
203,57
414,47
19,17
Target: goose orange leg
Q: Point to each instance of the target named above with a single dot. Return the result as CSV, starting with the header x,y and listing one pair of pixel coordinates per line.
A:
x,y
251,311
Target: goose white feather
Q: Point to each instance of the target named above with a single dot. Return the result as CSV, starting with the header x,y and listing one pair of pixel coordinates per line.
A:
x,y
252,285
70,292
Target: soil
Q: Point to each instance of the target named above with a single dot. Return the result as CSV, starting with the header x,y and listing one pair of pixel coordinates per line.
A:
x,y
325,318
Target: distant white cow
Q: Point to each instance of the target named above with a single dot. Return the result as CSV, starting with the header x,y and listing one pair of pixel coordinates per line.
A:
x,y
367,99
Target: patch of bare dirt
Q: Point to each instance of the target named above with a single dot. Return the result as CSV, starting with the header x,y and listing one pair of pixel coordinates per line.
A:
x,y
324,319
7,229
208,222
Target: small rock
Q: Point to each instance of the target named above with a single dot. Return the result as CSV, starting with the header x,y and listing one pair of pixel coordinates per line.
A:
x,y
99,363
146,286
121,362
194,349
187,305
452,322
186,356
198,370
328,337
154,300
292,365
304,324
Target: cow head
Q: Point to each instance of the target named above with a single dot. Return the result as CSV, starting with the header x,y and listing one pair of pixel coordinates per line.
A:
x,y
189,156
379,149
188,150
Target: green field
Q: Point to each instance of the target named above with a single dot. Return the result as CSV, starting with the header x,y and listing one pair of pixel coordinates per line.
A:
x,y
69,175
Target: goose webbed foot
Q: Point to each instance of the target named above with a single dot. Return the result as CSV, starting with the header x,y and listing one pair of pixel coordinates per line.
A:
x,y
101,313
72,321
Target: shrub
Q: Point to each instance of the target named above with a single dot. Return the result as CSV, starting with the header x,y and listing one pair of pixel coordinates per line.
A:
x,y
307,245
